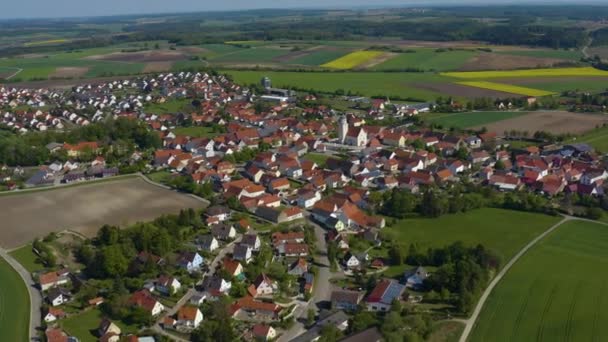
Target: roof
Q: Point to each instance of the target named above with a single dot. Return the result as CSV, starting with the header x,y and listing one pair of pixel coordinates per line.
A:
x,y
187,313
385,292
143,299
261,330
351,297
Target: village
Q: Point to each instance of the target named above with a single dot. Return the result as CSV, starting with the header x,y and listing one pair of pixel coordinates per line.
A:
x,y
284,182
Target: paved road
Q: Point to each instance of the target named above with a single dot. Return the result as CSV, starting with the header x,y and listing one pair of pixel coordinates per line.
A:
x,y
470,323
185,298
34,294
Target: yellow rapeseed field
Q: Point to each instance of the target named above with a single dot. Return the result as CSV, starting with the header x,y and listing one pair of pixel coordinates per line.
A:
x,y
352,60
584,71
46,42
507,88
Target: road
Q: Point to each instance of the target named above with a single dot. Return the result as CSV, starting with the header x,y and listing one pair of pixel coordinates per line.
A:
x,y
157,328
34,294
470,323
322,290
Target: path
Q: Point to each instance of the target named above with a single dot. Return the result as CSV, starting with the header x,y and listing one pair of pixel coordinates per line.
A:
x,y
15,74
469,323
34,294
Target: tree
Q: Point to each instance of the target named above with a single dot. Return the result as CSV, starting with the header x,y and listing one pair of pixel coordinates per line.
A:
x,y
330,333
310,317
391,327
434,203
395,255
112,261
362,320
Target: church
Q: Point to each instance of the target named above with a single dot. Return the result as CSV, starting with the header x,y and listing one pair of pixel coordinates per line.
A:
x,y
354,136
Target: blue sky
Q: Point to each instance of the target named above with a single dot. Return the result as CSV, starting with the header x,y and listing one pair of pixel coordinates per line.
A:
x,y
71,8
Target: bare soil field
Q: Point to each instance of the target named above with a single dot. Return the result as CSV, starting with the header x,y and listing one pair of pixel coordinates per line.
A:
x,y
460,90
157,66
141,57
494,61
66,72
192,50
85,209
556,122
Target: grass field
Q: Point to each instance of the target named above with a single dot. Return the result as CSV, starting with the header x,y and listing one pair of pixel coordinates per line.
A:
x,y
556,292
366,83
585,71
252,55
507,88
171,106
503,231
597,138
352,60
427,59
14,305
573,55
26,257
318,158
84,326
467,120
318,58
196,131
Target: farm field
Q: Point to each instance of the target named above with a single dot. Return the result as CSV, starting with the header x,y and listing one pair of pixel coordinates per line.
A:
x,y
353,60
556,122
318,57
556,292
597,138
575,72
471,119
507,88
427,59
14,305
252,55
365,83
503,231
118,202
560,84
573,55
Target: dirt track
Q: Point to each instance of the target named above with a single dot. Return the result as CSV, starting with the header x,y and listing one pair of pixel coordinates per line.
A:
x,y
85,209
554,122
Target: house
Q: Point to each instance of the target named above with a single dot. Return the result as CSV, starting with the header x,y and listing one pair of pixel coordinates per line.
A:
x,y
218,212
167,285
58,296
252,241
292,237
189,317
223,232
107,327
53,314
383,295
198,299
232,267
216,285
298,267
345,300
262,286
262,311
191,261
351,261
338,319
208,243
53,279
293,249
415,278
97,301
242,253
145,300
263,332
279,215
55,335
308,198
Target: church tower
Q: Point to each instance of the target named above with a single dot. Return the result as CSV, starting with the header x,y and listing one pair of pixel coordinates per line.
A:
x,y
342,129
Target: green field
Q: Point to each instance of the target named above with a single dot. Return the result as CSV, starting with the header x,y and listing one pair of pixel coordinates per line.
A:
x,y
196,132
573,55
467,120
318,58
318,158
84,326
428,59
597,138
556,292
366,83
252,55
14,305
556,72
171,106
26,257
503,231
597,84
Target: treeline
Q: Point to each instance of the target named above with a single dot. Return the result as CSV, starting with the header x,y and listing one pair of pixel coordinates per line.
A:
x,y
30,149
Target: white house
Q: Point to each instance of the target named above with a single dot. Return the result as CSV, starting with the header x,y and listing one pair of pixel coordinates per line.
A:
x,y
167,285
351,261
189,317
262,286
191,261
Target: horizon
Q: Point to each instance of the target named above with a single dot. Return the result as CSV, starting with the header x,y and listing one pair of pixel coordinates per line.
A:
x,y
57,9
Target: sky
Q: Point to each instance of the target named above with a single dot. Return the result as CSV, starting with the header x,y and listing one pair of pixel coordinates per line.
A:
x,y
79,8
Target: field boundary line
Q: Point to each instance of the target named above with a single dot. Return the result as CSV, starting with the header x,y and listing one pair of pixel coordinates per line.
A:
x,y
472,320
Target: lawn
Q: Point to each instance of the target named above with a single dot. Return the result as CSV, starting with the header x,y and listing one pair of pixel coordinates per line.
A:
x,y
428,59
585,71
84,325
352,60
318,158
318,58
26,257
14,305
196,131
507,88
503,231
467,120
396,84
597,138
556,292
159,176
171,106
